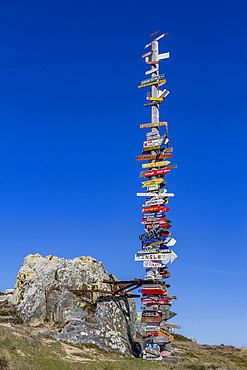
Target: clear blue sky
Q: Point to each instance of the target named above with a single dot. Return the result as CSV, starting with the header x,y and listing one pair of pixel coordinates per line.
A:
x,y
70,112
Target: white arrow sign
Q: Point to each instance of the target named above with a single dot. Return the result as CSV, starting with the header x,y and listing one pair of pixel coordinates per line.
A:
x,y
161,257
151,71
169,258
171,242
164,56
163,93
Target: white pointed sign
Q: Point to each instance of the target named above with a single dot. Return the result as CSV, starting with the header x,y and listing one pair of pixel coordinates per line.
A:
x,y
164,56
171,257
151,71
171,242
163,93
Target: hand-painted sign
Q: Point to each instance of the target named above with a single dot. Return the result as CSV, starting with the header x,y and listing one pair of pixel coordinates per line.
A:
x,y
153,187
155,142
155,164
165,225
152,79
153,83
157,172
161,239
147,194
150,314
151,333
151,319
151,220
153,156
149,149
152,291
150,301
154,124
155,209
150,203
155,257
152,182
152,328
152,264
153,214
156,232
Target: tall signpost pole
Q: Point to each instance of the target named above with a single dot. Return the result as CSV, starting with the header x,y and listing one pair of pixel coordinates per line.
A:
x,y
156,242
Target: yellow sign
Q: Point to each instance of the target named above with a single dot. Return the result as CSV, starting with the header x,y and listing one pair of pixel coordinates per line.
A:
x,y
147,149
156,99
163,332
156,164
152,83
152,182
150,245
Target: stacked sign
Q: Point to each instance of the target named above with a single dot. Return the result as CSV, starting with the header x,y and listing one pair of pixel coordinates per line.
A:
x,y
156,242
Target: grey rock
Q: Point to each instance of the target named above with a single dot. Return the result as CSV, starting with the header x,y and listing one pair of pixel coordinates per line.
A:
x,y
42,294
192,339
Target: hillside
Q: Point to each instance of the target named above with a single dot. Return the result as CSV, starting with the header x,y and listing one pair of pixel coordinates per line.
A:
x,y
23,347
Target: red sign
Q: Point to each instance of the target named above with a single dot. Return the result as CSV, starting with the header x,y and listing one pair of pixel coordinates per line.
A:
x,y
151,333
166,225
157,172
155,209
152,291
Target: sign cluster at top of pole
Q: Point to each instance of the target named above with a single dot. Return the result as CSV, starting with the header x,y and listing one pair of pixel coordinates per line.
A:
x,y
157,240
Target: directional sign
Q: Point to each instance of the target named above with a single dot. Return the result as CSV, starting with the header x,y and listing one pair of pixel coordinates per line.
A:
x,y
152,79
169,257
151,333
152,71
152,264
150,301
154,83
153,62
171,242
151,319
152,328
154,124
150,203
151,148
154,103
153,214
157,172
161,340
155,164
150,227
155,209
152,291
151,220
159,239
164,93
153,156
161,83
155,99
153,187
164,56
152,182
155,142
147,194
154,257
147,54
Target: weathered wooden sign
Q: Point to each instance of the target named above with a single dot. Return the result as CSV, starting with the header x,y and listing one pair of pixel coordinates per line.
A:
x,y
151,319
154,124
154,103
157,172
161,332
153,83
155,164
150,157
161,339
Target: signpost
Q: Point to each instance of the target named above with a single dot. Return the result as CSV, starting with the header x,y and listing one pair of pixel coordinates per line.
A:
x,y
156,240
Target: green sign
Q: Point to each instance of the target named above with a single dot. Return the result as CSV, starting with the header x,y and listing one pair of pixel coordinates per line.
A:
x,y
152,79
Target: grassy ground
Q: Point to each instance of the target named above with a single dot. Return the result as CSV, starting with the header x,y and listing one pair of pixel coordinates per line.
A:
x,y
21,348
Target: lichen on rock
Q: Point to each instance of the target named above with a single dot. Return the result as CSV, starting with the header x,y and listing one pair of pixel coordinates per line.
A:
x,y
42,294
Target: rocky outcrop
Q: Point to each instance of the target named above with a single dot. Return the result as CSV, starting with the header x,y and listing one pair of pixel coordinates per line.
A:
x,y
42,295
